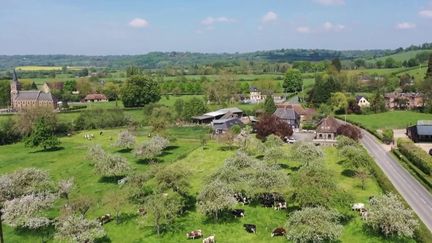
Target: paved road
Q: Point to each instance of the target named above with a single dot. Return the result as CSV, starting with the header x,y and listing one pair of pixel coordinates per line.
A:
x,y
413,192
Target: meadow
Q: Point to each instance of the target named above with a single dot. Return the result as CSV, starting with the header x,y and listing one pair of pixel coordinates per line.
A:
x,y
186,150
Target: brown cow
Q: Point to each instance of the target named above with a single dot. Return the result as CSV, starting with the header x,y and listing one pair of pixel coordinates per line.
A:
x,y
278,232
194,234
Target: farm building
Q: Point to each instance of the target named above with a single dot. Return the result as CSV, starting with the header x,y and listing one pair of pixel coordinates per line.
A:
x,y
22,100
421,132
255,95
305,114
95,98
222,125
289,115
403,100
326,131
225,113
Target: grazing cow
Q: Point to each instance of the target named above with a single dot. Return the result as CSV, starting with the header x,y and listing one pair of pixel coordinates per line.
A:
x,y
241,198
194,234
364,214
268,199
142,211
280,205
278,232
122,181
210,239
105,219
251,228
358,206
238,212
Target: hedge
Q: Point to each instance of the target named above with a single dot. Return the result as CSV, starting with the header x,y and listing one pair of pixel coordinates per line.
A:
x,y
416,155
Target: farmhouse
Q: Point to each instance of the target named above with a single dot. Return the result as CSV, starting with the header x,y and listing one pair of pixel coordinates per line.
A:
x,y
288,115
256,96
326,131
362,101
22,100
225,113
421,132
95,98
305,114
403,100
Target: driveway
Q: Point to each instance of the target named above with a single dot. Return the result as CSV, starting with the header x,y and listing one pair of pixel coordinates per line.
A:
x,y
400,133
419,199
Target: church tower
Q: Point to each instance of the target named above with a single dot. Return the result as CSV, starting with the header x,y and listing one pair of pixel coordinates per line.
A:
x,y
15,87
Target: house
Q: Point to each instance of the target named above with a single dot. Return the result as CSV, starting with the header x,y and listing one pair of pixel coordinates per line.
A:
x,y
326,131
47,87
362,102
207,118
421,132
289,116
305,114
95,98
397,100
223,125
22,100
256,96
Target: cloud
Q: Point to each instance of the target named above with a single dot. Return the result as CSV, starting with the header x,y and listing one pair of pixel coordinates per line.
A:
x,y
427,13
211,20
330,27
303,29
269,17
405,26
139,23
330,2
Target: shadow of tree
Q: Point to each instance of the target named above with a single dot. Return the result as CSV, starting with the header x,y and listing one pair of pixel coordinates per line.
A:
x,y
227,148
125,150
48,150
110,179
348,173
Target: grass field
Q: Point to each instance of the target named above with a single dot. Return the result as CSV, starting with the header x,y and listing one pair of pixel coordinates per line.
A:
x,y
71,161
390,119
400,57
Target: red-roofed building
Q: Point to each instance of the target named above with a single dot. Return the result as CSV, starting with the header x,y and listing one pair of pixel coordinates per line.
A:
x,y
95,98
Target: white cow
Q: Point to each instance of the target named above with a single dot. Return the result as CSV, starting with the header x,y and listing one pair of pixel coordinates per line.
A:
x,y
210,239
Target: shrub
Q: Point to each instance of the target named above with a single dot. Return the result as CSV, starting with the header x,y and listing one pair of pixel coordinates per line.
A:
x,y
269,124
387,136
349,131
99,118
416,155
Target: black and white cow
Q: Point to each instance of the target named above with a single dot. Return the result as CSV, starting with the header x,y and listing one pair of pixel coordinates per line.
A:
x,y
104,219
241,198
238,213
278,232
251,228
194,234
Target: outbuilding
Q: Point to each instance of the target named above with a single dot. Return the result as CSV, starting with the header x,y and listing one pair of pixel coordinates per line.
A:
x,y
421,132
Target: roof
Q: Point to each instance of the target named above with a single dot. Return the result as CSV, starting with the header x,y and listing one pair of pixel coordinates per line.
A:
x,y
95,97
402,95
34,96
286,113
328,125
254,89
359,97
203,117
424,127
224,111
225,124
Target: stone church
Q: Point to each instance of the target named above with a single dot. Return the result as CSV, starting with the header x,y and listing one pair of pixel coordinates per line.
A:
x,y
22,100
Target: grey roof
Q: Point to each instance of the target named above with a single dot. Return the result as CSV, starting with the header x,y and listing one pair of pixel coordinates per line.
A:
x,y
34,96
286,114
203,117
225,124
424,127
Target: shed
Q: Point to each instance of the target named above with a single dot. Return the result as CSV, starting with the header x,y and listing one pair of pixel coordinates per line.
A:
x,y
421,132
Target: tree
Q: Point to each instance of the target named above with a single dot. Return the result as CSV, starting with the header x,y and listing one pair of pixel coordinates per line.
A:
x,y
174,177
350,131
336,64
160,118
28,118
193,107
179,107
314,185
116,200
388,215
78,229
162,208
133,71
314,225
125,140
269,105
96,153
339,102
65,187
269,124
112,165
306,153
139,91
111,91
293,81
214,198
42,135
4,93
429,69
152,148
378,103
70,85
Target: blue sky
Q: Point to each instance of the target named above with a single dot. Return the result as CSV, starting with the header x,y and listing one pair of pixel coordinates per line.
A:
x,y
103,27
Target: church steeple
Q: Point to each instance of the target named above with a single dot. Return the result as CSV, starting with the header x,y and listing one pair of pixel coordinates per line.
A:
x,y
15,87
14,76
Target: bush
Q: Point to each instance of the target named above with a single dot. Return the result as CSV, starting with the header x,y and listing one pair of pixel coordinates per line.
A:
x,y
387,136
349,131
416,155
99,118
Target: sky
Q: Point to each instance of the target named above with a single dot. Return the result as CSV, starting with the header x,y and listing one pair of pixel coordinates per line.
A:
x,y
113,27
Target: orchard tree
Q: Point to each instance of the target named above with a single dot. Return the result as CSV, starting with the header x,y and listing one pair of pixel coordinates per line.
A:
x,y
174,177
139,91
293,81
161,118
42,136
274,155
269,124
125,140
306,153
78,229
65,187
112,165
116,200
163,208
215,198
152,148
314,225
96,153
388,215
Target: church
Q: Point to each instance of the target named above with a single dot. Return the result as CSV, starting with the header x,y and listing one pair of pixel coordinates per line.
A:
x,y
22,100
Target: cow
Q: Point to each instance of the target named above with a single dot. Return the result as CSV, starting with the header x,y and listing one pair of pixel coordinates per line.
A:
x,y
105,219
268,199
250,228
278,232
364,214
194,234
122,181
241,198
280,205
210,239
358,206
142,211
238,213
